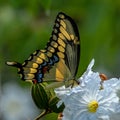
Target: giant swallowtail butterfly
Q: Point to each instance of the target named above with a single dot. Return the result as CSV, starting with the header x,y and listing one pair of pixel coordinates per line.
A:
x,y
59,61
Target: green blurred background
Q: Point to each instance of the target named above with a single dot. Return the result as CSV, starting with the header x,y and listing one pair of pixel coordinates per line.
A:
x,y
27,25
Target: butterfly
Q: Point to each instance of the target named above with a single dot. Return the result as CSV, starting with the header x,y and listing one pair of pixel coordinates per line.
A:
x,y
59,61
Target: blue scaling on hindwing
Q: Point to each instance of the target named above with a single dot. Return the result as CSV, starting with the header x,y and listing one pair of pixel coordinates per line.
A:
x,y
55,58
50,62
40,74
40,66
44,63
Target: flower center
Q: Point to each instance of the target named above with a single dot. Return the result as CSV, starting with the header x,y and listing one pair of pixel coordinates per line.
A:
x,y
92,106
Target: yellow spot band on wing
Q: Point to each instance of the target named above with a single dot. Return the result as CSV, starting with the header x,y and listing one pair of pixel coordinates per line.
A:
x,y
63,24
61,49
49,54
51,49
37,59
29,70
64,32
54,44
29,76
61,42
30,64
61,36
60,54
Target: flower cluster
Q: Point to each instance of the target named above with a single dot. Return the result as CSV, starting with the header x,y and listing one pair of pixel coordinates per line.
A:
x,y
93,99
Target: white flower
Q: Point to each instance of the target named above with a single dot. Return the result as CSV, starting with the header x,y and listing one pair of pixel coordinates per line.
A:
x,y
87,101
115,116
16,103
90,103
113,83
87,74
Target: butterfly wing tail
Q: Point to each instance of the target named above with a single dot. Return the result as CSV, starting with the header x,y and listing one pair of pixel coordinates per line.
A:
x,y
14,64
20,68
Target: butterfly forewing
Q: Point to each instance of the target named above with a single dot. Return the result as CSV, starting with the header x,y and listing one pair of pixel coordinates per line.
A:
x,y
66,43
73,46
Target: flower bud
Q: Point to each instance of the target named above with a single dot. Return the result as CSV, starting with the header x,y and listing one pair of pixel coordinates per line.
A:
x,y
40,96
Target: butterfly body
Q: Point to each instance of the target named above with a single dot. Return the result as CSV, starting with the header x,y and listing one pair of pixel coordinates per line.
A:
x,y
59,61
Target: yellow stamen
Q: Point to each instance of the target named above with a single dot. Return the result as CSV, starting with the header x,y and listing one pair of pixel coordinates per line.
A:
x,y
92,106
